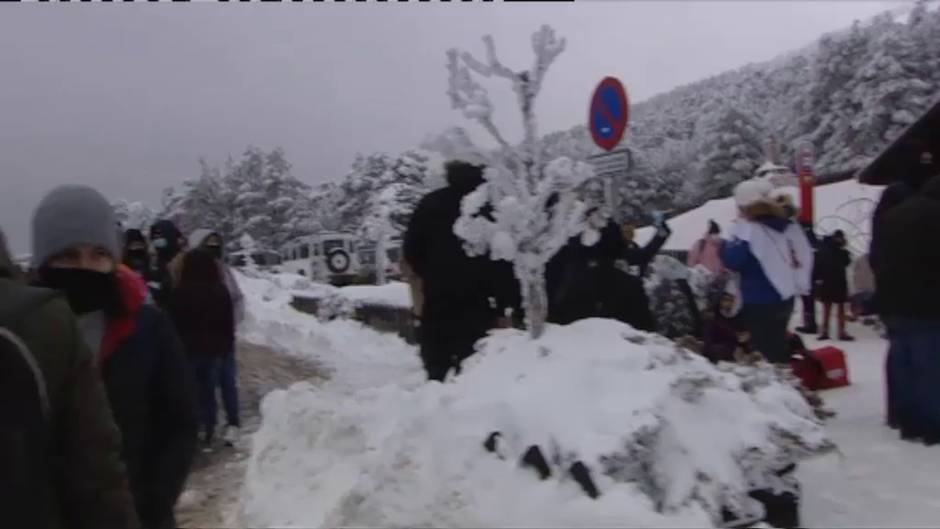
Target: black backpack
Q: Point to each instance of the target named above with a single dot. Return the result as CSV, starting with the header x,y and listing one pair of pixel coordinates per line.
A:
x,y
25,413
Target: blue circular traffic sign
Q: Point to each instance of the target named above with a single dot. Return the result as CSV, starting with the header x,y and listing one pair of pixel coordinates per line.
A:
x,y
609,112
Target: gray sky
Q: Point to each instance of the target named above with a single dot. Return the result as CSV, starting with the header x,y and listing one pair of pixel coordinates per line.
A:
x,y
128,97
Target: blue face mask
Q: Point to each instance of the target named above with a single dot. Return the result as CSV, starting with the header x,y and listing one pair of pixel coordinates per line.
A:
x,y
159,243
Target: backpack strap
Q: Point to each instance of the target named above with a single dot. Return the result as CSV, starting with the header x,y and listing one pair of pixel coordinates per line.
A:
x,y
20,347
18,303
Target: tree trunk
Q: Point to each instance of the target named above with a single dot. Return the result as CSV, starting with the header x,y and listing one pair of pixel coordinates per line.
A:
x,y
381,260
536,303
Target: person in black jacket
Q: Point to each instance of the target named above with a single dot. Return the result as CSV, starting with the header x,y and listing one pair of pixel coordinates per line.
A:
x,y
637,258
169,243
146,377
894,195
830,278
583,281
464,296
201,308
908,282
136,254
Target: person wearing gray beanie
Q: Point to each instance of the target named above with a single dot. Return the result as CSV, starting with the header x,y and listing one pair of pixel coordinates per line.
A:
x,y
70,216
149,384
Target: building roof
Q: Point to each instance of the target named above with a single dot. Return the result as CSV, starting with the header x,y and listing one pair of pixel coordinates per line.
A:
x,y
903,154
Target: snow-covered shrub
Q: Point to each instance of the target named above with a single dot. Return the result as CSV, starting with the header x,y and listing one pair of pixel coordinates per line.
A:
x,y
535,205
668,438
670,306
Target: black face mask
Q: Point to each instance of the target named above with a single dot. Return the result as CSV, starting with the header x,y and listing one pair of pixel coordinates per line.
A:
x,y
137,255
214,250
86,290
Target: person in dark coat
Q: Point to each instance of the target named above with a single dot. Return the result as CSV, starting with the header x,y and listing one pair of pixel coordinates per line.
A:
x,y
136,254
808,301
168,243
830,277
637,258
201,308
908,282
61,455
583,281
464,296
146,376
895,194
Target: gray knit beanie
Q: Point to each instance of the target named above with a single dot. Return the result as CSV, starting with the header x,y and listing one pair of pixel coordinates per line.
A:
x,y
71,215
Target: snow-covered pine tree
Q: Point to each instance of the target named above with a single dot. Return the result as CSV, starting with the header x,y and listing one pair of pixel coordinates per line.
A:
x,y
134,215
730,150
536,209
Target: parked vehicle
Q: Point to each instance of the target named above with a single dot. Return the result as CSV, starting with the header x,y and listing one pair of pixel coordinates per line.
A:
x,y
367,258
328,257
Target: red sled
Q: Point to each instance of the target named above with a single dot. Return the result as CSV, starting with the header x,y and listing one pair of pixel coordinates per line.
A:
x,y
823,368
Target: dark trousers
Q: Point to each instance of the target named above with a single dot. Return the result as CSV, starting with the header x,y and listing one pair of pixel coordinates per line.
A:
x,y
207,369
809,312
768,324
442,351
912,372
228,383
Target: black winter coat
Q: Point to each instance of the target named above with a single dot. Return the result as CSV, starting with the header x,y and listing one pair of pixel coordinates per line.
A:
x,y
830,272
151,392
908,275
204,319
638,258
584,282
462,295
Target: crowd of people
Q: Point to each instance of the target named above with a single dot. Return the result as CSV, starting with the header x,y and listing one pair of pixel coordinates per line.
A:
x,y
765,263
116,343
115,355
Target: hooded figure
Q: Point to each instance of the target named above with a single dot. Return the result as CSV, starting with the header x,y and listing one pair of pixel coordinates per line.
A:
x,y
211,242
136,254
201,308
707,250
44,366
145,373
774,262
463,296
168,243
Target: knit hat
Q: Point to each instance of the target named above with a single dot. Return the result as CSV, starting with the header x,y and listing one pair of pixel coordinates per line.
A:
x,y
71,215
750,192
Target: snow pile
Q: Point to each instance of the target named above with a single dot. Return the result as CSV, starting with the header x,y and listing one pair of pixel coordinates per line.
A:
x,y
669,439
394,294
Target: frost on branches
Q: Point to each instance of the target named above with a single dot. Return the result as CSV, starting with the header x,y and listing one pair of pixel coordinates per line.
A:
x,y
134,215
536,208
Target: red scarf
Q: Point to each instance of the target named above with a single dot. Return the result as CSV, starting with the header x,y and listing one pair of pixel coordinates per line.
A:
x,y
133,292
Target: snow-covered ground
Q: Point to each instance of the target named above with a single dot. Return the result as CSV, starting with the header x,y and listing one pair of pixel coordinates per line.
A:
x,y
353,469
880,481
843,205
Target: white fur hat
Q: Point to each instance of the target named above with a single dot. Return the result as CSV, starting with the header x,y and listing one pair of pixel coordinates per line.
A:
x,y
752,191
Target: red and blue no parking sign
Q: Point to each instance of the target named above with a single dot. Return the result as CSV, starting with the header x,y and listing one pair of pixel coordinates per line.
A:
x,y
609,112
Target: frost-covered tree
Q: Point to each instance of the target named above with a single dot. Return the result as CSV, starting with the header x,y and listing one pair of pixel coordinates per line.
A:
x,y
535,206
730,150
134,215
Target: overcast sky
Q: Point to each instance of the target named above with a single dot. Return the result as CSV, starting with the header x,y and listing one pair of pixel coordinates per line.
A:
x,y
128,97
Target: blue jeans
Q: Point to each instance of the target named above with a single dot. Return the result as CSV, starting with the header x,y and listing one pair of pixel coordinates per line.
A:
x,y
207,369
228,381
912,373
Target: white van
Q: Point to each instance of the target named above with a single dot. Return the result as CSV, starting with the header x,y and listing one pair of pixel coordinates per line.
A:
x,y
327,257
